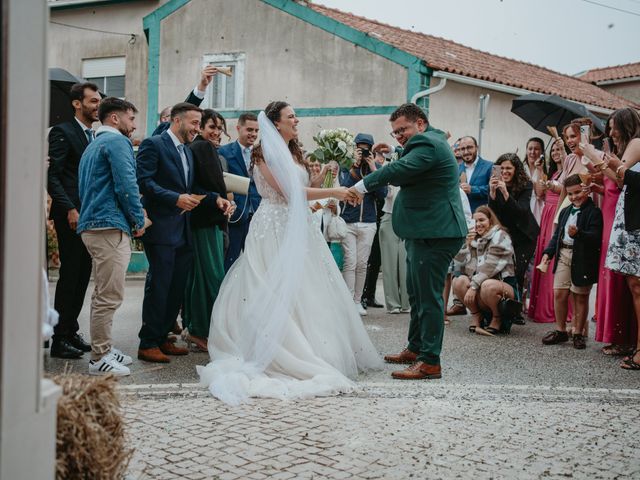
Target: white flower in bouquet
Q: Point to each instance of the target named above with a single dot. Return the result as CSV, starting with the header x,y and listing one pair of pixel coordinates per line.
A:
x,y
335,145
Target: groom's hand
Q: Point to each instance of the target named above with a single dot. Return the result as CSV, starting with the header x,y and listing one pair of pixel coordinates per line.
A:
x,y
354,197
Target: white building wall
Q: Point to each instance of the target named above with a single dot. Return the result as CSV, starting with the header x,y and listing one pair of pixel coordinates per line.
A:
x,y
456,109
286,58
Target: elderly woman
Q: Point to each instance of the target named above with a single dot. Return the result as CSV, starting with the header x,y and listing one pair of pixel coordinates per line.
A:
x,y
487,272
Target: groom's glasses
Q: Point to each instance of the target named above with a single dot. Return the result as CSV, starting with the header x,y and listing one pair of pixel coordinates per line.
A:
x,y
399,132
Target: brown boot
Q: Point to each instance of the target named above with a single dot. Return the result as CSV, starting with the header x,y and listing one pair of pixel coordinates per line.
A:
x,y
153,355
419,371
169,348
406,356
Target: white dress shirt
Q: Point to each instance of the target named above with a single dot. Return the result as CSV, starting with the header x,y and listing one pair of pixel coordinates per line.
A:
x,y
470,169
85,128
572,220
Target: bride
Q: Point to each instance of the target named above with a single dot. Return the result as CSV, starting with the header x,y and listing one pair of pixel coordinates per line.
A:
x,y
284,324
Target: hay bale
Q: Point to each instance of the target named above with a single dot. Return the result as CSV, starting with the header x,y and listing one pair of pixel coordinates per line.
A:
x,y
91,441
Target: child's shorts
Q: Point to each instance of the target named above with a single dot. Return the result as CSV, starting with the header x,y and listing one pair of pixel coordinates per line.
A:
x,y
562,277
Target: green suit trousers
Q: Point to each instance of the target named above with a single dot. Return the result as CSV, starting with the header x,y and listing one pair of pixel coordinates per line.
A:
x,y
427,264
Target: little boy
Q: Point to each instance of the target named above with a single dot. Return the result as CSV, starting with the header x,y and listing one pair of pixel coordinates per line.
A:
x,y
576,245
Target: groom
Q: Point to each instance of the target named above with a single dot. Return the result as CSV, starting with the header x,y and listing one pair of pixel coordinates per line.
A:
x,y
428,216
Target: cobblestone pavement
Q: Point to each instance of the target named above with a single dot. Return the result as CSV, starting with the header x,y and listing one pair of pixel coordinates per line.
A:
x,y
388,430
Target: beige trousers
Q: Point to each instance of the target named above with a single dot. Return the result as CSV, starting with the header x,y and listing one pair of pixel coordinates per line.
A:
x,y
110,251
357,247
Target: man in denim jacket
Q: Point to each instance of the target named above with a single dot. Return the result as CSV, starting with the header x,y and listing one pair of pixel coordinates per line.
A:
x,y
111,213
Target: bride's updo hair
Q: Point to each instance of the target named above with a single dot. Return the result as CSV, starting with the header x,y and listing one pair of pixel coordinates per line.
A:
x,y
273,111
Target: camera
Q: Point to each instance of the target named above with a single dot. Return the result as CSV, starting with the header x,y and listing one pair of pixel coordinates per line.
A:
x,y
365,153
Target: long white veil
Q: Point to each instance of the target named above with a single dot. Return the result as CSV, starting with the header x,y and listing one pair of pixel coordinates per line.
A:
x,y
270,305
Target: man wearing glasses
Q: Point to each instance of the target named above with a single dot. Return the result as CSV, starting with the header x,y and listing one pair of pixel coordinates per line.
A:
x,y
478,173
428,216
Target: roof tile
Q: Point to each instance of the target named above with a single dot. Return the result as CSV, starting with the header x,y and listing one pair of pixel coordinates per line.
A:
x,y
617,72
446,55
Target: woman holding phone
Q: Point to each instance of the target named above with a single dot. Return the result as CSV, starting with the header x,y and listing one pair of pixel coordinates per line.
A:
x,y
510,198
541,297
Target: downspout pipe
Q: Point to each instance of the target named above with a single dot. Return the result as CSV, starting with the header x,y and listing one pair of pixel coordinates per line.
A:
x,y
423,93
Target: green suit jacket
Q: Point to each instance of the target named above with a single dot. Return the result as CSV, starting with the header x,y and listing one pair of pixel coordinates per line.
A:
x,y
428,204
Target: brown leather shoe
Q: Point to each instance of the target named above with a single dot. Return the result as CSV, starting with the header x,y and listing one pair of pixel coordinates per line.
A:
x,y
456,309
199,343
152,355
419,371
406,356
169,348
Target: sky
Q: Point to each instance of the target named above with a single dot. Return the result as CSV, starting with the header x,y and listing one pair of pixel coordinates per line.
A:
x,y
567,36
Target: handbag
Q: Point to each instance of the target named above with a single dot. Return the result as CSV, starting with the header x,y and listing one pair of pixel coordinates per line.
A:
x,y
336,229
236,183
508,308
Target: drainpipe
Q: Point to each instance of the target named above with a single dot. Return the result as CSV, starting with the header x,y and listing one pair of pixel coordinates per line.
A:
x,y
423,93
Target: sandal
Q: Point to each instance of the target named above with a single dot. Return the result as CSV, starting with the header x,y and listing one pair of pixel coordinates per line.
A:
x,y
485,332
492,331
472,328
629,363
615,350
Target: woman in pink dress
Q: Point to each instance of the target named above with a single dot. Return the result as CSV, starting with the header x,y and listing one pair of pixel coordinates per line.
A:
x,y
616,323
541,297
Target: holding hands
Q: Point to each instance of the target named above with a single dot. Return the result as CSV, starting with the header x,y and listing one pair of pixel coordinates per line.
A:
x,y
353,196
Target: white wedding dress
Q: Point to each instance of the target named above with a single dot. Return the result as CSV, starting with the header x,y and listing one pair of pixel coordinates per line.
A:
x,y
296,336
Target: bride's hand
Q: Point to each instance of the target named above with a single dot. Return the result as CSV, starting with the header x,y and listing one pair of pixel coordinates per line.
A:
x,y
341,193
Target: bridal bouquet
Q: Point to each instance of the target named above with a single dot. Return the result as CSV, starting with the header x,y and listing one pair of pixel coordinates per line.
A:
x,y
334,145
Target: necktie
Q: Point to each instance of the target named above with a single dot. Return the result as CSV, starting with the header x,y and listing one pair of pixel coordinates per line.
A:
x,y
185,165
246,153
89,133
574,210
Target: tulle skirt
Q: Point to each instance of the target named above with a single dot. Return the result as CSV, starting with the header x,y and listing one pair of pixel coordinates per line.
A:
x,y
325,343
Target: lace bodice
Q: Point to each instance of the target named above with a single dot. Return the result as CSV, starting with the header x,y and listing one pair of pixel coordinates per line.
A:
x,y
269,194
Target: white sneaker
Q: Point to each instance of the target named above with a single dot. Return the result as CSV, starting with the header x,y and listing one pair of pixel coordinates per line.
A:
x,y
361,310
121,357
108,365
406,310
394,310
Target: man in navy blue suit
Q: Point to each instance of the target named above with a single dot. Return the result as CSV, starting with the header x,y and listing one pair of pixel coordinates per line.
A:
x,y
165,177
477,171
238,156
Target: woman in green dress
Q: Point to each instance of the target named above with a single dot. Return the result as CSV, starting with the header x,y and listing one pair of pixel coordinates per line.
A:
x,y
207,225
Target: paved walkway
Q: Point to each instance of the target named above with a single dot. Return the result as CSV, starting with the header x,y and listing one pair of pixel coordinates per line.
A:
x,y
421,430
506,407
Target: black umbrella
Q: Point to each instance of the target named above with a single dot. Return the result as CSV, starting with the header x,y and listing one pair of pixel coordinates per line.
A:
x,y
542,111
60,82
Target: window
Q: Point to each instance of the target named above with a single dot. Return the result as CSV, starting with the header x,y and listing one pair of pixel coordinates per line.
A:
x,y
226,92
107,73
